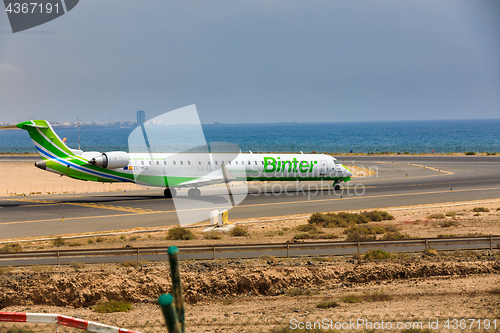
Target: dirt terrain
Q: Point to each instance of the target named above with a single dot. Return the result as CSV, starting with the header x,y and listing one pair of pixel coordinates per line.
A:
x,y
269,293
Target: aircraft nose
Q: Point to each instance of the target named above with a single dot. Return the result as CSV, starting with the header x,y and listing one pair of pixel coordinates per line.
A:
x,y
348,173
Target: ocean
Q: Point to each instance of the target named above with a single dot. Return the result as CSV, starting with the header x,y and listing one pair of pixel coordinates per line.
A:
x,y
440,136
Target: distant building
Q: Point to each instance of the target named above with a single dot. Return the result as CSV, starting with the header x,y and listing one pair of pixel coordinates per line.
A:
x,y
141,117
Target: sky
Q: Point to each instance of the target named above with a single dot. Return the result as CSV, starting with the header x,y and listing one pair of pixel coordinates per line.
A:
x,y
256,61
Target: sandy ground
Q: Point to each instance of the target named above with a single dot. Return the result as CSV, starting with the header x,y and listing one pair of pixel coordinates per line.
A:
x,y
410,220
24,178
255,295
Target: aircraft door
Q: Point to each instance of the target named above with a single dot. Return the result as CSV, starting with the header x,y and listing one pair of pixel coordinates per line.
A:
x,y
323,168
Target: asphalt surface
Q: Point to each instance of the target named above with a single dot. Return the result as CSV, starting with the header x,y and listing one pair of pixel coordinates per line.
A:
x,y
400,181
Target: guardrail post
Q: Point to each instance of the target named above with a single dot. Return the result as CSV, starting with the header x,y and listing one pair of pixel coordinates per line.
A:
x,y
358,247
426,244
137,255
213,252
491,243
58,260
287,250
169,313
173,256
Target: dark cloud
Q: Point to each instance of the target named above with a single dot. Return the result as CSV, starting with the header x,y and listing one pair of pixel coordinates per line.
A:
x,y
257,61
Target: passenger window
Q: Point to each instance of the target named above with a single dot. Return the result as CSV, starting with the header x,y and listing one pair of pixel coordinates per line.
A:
x,y
149,162
174,162
236,162
182,163
157,162
215,162
262,162
255,162
189,162
248,162
199,162
142,162
164,162
229,162
208,162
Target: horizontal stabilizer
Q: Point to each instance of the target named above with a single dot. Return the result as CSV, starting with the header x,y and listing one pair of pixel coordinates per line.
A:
x,y
8,127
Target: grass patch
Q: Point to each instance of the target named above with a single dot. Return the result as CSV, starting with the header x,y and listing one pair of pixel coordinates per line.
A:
x,y
267,257
451,214
310,228
430,251
12,247
300,292
344,219
447,236
5,270
77,265
351,299
436,216
378,296
99,239
477,214
131,263
75,243
327,304
377,254
112,306
470,153
480,210
239,232
447,224
122,237
58,241
212,235
369,232
179,233
90,241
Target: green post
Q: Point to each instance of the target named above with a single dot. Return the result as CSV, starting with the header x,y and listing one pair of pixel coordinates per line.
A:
x,y
173,256
173,325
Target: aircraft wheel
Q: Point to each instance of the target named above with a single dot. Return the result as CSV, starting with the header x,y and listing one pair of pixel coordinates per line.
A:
x,y
194,193
337,187
170,193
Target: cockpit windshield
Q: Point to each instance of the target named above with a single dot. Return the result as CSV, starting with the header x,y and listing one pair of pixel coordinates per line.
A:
x,y
337,162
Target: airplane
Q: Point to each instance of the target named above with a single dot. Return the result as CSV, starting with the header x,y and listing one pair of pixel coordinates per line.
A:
x,y
180,170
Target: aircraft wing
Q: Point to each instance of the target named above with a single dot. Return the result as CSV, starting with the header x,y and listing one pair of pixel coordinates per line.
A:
x,y
223,176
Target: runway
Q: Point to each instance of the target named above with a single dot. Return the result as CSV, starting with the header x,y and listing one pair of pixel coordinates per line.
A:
x,y
400,181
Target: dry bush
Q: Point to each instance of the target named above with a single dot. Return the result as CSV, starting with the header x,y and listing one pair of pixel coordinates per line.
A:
x,y
239,232
447,224
377,254
58,241
351,299
436,216
430,251
327,304
179,233
12,247
480,210
212,235
451,214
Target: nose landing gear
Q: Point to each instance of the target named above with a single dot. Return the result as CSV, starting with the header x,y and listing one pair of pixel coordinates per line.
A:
x,y
170,193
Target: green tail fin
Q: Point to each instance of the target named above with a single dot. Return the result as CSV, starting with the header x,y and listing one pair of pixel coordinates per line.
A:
x,y
48,143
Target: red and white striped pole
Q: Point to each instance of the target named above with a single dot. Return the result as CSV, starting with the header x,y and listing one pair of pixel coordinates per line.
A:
x,y
46,318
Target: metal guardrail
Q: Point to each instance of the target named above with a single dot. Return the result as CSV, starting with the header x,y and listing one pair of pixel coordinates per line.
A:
x,y
406,245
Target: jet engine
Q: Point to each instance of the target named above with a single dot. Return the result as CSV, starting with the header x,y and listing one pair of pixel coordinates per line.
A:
x,y
111,160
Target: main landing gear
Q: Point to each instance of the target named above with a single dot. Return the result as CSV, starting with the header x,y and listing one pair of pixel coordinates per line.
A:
x,y
194,193
170,192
